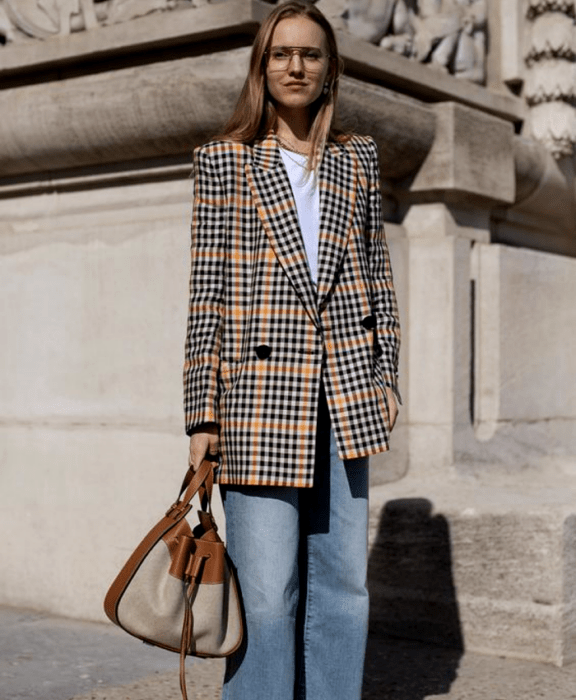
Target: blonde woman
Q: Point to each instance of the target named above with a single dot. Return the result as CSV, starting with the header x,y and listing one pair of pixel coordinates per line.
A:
x,y
291,360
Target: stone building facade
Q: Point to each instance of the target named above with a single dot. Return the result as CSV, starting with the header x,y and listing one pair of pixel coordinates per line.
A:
x,y
473,105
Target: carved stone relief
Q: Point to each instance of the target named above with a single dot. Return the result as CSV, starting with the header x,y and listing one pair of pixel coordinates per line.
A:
x,y
40,19
6,26
550,88
449,35
124,10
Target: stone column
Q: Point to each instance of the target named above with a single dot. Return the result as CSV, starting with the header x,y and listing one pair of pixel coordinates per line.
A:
x,y
469,169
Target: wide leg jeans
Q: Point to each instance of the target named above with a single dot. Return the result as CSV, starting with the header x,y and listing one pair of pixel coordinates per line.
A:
x,y
301,556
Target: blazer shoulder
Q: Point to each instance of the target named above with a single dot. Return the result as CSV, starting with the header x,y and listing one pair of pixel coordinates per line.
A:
x,y
362,144
361,139
223,150
365,151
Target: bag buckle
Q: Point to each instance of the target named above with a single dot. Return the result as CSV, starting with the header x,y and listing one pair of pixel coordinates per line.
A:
x,y
177,509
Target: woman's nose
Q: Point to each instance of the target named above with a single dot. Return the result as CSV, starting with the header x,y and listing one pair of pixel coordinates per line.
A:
x,y
296,65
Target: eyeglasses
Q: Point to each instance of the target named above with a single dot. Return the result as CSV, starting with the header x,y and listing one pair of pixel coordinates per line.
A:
x,y
279,57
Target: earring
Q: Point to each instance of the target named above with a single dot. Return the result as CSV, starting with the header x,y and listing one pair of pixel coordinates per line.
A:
x,y
326,89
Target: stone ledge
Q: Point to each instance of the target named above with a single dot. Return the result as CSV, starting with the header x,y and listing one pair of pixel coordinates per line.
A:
x,y
151,111
369,61
236,17
486,566
116,174
163,110
138,35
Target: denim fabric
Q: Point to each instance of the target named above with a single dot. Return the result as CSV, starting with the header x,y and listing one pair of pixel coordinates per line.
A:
x,y
301,556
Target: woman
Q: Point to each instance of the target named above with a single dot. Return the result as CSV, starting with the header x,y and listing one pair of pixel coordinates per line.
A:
x,y
291,360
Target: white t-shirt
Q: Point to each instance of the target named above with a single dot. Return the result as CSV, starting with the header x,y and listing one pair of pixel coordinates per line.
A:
x,y
307,196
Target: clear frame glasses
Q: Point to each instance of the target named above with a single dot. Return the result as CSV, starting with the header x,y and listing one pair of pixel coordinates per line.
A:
x,y
312,58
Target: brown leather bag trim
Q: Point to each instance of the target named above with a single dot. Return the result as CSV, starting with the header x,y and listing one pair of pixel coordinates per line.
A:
x,y
176,512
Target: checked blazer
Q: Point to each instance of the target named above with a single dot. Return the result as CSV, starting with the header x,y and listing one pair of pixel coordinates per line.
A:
x,y
261,337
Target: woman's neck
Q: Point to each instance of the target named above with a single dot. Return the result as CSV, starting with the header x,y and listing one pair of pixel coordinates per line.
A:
x,y
294,131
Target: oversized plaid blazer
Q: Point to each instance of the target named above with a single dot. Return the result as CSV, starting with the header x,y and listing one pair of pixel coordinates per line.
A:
x,y
261,337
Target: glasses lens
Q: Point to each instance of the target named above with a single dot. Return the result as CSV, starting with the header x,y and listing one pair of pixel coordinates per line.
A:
x,y
279,57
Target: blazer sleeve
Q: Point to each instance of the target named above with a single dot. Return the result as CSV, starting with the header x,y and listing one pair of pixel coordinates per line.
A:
x,y
208,251
384,302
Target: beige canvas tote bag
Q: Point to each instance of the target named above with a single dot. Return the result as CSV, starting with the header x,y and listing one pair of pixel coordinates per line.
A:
x,y
179,589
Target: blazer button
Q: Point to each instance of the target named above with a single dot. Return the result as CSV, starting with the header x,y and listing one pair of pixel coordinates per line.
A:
x,y
369,322
263,352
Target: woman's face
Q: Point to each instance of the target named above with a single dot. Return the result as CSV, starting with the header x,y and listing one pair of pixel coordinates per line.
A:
x,y
297,64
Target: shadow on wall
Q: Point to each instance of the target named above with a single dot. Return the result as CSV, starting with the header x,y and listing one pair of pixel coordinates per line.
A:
x,y
412,597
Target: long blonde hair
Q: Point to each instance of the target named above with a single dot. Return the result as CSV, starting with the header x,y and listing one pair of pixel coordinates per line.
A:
x,y
255,115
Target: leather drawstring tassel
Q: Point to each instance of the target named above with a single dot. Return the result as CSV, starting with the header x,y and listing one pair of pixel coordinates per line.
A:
x,y
187,629
188,625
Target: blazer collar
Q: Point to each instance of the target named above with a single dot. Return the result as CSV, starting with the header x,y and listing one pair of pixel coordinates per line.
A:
x,y
272,193
266,152
337,180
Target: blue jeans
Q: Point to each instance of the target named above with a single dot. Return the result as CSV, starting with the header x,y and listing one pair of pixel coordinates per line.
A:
x,y
301,556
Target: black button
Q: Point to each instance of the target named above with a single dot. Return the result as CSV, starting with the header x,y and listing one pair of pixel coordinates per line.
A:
x,y
263,352
369,322
378,350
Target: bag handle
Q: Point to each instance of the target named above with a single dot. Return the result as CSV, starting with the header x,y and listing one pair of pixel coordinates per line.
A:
x,y
193,482
200,481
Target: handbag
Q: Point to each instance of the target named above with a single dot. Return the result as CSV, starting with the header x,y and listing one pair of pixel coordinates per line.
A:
x,y
179,589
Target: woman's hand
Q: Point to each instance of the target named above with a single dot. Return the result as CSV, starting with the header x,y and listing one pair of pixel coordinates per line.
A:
x,y
204,442
392,406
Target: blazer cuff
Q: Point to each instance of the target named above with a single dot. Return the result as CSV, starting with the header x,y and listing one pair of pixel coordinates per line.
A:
x,y
206,415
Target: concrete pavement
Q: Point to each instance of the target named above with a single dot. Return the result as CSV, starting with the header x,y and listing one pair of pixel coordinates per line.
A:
x,y
49,658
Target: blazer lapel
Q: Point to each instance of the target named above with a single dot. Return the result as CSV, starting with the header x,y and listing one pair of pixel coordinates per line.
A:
x,y
337,182
272,194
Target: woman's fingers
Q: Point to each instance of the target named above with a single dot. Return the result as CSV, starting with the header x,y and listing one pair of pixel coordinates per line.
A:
x,y
204,442
392,407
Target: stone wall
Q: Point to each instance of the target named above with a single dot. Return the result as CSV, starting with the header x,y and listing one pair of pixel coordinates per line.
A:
x,y
524,413
93,306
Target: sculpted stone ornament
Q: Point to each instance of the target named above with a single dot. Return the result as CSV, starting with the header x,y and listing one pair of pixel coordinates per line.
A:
x,y
450,35
372,20
44,18
41,19
124,10
550,87
6,26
